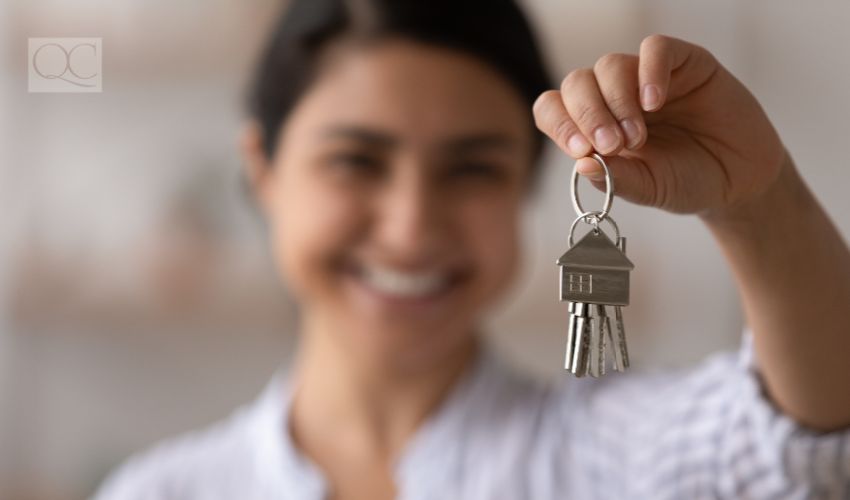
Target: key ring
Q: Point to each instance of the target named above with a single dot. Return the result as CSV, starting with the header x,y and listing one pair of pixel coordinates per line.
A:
x,y
593,217
609,192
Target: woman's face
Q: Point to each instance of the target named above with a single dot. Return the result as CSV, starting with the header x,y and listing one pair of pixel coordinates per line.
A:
x,y
394,198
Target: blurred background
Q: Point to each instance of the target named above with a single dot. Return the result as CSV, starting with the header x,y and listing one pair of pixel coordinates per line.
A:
x,y
137,297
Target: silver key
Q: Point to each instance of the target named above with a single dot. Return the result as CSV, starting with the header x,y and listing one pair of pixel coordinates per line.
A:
x,y
598,341
571,333
618,343
593,349
621,351
581,338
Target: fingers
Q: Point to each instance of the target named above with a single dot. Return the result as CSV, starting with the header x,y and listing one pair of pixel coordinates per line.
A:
x,y
584,102
656,63
595,109
606,108
617,77
551,117
602,108
660,57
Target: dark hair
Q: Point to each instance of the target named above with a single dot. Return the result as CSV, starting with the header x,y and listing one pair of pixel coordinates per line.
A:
x,y
494,31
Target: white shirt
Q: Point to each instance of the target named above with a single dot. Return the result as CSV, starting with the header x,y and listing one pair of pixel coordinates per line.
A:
x,y
706,433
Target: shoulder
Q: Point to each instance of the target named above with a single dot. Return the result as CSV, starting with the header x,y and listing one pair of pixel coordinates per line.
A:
x,y
185,466
243,456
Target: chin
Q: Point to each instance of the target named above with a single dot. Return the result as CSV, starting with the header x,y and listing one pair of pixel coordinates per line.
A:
x,y
407,346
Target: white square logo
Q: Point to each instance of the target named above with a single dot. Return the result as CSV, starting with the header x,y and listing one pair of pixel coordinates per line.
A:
x,y
65,65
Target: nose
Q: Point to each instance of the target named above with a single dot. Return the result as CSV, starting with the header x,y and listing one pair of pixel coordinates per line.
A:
x,y
410,223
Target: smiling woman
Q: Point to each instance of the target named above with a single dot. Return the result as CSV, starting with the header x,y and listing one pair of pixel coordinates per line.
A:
x,y
403,129
391,147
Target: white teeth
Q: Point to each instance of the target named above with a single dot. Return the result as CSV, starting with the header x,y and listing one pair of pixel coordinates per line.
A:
x,y
404,284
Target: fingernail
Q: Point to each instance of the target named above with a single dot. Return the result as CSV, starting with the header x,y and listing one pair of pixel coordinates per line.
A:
x,y
650,97
630,128
606,138
591,170
577,144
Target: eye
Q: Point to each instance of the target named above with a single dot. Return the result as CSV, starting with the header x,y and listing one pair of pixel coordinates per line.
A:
x,y
356,163
477,170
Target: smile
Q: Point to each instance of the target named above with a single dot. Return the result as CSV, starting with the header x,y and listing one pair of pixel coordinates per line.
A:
x,y
403,284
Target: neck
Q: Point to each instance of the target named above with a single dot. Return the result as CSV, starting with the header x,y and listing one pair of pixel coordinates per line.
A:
x,y
362,409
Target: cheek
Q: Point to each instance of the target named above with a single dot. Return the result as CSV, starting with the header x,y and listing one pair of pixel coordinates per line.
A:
x,y
311,228
492,230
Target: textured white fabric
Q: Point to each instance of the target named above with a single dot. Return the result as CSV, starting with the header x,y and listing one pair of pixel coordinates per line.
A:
x,y
705,433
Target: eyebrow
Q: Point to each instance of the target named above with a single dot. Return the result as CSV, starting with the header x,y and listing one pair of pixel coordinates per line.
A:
x,y
361,134
455,145
479,141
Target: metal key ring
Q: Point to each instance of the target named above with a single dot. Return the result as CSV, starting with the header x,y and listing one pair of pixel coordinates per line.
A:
x,y
609,190
597,216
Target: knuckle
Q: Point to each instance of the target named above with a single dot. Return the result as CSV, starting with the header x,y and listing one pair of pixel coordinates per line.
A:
x,y
610,61
588,116
543,101
656,40
705,55
621,105
575,76
562,131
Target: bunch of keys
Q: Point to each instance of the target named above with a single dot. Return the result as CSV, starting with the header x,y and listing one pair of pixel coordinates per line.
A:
x,y
595,276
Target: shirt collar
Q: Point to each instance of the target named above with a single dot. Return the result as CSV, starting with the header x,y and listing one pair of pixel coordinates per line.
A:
x,y
281,466
433,458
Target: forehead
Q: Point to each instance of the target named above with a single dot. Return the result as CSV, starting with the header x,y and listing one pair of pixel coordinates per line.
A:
x,y
422,93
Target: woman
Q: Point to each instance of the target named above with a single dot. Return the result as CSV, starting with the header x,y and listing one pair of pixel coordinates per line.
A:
x,y
391,147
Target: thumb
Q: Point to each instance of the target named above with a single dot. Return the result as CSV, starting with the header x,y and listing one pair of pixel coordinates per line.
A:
x,y
633,180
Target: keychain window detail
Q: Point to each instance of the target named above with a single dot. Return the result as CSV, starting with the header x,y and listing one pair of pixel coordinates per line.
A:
x,y
579,283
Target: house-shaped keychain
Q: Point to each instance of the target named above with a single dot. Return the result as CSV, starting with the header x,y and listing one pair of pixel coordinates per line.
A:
x,y
595,271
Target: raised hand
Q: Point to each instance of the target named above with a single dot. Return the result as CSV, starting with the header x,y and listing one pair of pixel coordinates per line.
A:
x,y
680,131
